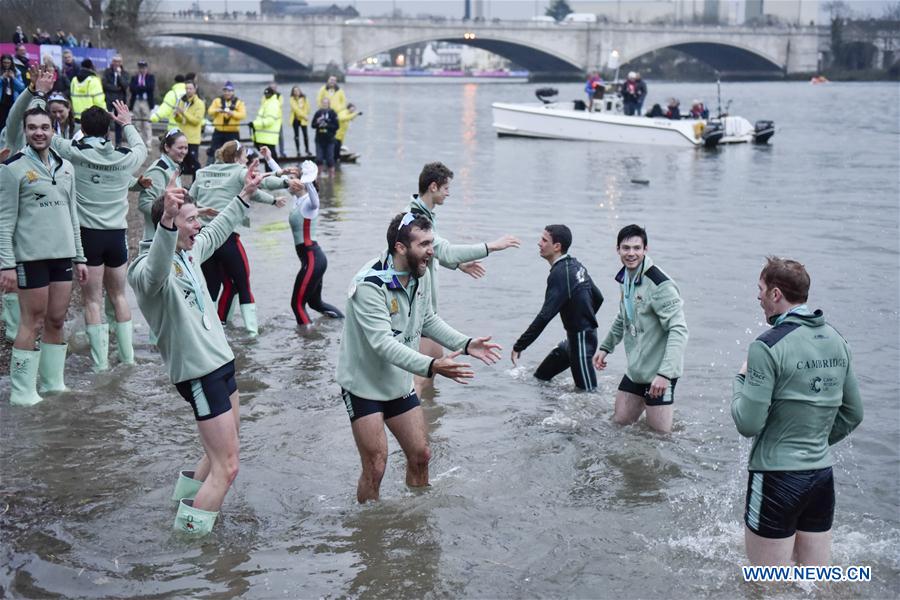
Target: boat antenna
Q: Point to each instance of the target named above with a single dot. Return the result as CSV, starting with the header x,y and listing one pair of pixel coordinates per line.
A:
x,y
719,94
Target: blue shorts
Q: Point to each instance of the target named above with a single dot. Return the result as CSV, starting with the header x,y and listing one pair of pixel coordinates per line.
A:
x,y
360,407
780,503
210,395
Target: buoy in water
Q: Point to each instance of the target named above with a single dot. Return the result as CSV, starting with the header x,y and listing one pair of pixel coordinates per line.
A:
x,y
641,181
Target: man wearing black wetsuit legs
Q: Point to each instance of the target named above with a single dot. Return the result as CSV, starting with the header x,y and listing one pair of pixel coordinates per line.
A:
x,y
572,294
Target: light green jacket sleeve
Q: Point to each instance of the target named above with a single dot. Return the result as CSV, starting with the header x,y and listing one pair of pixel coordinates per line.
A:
x,y
450,255
614,336
752,394
14,132
667,305
138,153
375,322
214,235
9,215
435,328
850,414
152,273
62,146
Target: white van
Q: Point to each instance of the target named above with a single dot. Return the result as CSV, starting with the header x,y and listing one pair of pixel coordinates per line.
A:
x,y
580,18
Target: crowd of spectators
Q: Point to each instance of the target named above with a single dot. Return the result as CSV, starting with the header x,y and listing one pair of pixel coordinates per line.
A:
x,y
41,37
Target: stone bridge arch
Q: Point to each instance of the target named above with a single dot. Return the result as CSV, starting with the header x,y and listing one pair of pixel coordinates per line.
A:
x,y
280,62
725,57
529,56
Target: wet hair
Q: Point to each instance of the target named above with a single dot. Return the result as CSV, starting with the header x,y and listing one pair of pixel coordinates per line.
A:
x,y
229,151
630,231
403,234
159,206
37,110
435,172
169,138
560,234
787,275
95,121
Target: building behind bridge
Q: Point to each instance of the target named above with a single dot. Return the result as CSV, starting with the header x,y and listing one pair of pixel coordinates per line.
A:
x,y
709,12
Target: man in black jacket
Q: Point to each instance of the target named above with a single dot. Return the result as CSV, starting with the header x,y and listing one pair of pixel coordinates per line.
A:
x,y
572,294
141,102
115,86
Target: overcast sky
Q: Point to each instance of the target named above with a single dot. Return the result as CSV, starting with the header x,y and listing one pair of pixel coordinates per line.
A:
x,y
503,9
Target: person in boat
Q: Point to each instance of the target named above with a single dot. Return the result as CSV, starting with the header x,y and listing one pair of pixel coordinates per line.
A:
x,y
641,94
698,110
672,109
656,111
592,86
630,94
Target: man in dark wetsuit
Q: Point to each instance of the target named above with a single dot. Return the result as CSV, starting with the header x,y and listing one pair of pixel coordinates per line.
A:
x,y
797,396
572,294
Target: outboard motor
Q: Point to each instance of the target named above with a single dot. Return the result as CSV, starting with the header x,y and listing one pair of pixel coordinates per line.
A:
x,y
544,93
762,131
712,134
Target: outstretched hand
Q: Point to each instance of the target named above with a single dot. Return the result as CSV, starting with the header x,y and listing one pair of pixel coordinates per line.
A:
x,y
173,198
43,80
474,269
251,180
4,154
507,241
449,368
482,349
120,113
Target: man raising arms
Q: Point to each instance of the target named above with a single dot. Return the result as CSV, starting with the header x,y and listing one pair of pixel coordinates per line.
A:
x,y
389,308
796,395
651,322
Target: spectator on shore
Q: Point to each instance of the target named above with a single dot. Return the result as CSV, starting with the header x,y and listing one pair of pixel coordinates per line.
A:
x,y
19,36
331,90
11,85
86,42
21,62
227,112
142,86
69,66
189,113
71,40
344,118
115,87
326,124
267,124
299,117
61,38
60,82
86,90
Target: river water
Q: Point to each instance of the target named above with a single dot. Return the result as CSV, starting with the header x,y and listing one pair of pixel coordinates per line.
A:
x,y
535,493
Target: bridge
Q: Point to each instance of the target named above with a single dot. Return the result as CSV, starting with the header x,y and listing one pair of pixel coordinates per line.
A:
x,y
298,47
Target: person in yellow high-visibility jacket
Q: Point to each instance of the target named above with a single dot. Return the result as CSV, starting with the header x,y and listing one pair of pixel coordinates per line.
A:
x,y
86,90
299,117
227,112
334,93
190,111
344,117
165,110
267,124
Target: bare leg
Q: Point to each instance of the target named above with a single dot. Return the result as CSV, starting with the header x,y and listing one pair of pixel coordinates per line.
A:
x,y
768,551
220,440
371,441
59,294
425,385
33,309
92,290
114,282
660,417
201,471
409,429
628,408
813,548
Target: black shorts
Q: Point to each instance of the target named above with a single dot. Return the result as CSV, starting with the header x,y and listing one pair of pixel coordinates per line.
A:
x,y
643,389
360,407
780,503
41,273
210,396
104,247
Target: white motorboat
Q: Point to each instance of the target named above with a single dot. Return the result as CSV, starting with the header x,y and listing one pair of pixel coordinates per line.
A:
x,y
571,121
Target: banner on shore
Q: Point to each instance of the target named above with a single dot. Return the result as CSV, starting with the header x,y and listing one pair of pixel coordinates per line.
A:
x,y
101,57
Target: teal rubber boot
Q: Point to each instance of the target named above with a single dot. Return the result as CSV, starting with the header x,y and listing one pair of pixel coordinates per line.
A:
x,y
52,368
109,310
186,487
194,521
11,315
248,312
232,313
23,370
125,341
98,336
151,337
